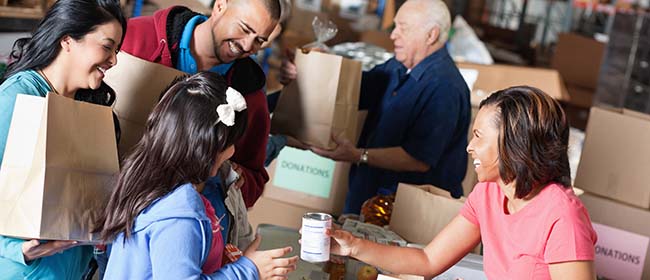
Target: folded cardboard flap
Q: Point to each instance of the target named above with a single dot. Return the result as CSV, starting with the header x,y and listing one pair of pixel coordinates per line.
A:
x,y
438,191
421,212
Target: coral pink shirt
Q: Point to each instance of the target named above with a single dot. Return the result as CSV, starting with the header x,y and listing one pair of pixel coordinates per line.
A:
x,y
554,227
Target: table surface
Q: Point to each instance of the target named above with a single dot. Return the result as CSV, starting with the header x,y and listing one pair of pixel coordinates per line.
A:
x,y
470,267
277,237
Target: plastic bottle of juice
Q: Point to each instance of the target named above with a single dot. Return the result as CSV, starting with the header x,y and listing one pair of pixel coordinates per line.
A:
x,y
377,209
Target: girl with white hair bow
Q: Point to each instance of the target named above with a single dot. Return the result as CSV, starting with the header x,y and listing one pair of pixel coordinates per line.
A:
x,y
160,224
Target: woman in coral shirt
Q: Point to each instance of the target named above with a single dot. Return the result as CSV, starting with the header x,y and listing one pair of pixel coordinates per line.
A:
x,y
524,211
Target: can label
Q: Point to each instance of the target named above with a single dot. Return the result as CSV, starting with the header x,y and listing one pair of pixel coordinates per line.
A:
x,y
315,244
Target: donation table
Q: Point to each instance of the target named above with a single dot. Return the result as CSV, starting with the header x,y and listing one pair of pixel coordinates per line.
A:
x,y
469,268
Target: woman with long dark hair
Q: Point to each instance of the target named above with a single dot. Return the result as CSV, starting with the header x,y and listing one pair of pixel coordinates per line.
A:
x,y
160,225
523,210
68,53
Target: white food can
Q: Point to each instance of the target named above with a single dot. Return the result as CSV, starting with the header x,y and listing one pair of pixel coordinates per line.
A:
x,y
315,244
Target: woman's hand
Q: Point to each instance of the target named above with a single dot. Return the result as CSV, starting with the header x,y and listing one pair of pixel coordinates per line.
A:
x,y
343,243
269,263
34,249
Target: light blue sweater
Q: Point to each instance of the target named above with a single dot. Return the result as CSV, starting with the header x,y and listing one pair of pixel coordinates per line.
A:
x,y
171,240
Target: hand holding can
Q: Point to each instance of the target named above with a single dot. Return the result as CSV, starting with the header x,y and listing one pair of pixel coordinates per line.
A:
x,y
315,243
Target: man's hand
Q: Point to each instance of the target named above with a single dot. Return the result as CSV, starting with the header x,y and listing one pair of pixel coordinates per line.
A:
x,y
344,151
293,142
288,70
34,249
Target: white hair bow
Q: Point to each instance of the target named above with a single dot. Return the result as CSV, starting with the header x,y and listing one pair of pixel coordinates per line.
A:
x,y
235,102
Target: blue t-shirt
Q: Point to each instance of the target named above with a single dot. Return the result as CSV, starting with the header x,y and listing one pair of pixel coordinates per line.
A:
x,y
426,112
213,192
71,263
186,61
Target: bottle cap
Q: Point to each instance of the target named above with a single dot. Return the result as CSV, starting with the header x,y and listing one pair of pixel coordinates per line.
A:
x,y
385,191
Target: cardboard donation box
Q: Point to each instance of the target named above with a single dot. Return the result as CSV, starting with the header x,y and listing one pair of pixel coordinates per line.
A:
x,y
616,156
578,59
623,234
322,101
59,160
490,78
300,182
421,212
304,179
138,85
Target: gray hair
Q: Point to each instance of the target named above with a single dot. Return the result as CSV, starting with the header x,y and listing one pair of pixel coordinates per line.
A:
x,y
436,14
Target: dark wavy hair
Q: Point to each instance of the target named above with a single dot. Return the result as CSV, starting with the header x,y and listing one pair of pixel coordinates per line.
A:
x,y
74,18
533,139
181,141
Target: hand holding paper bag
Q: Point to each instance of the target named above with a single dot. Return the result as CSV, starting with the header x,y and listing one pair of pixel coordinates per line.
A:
x,y
59,160
34,249
323,100
345,150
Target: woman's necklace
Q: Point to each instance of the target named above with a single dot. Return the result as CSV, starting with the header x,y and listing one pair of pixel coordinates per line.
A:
x,y
48,81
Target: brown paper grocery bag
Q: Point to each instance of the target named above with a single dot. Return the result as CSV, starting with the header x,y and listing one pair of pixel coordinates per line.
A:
x,y
323,100
58,163
138,85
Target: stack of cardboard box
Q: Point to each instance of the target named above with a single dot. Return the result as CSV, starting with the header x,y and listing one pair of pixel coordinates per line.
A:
x,y
578,59
614,173
300,182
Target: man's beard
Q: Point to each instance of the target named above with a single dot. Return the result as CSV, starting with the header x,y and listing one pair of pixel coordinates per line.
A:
x,y
215,48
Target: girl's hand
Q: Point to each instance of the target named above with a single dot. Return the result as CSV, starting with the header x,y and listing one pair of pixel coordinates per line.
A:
x,y
270,264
